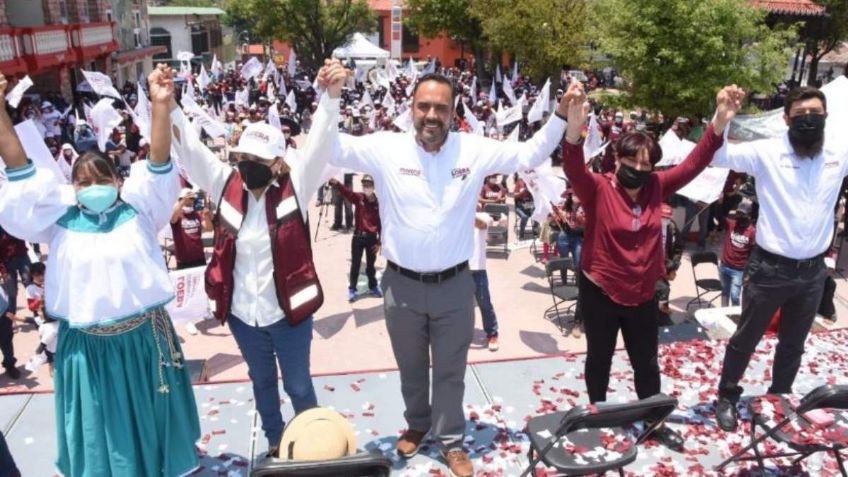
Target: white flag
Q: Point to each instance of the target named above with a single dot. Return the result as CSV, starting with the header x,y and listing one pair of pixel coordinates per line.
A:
x,y
411,70
388,102
292,63
291,101
142,112
493,94
366,99
100,84
431,68
251,68
243,96
404,120
202,118
513,136
515,71
473,92
592,145
104,119
498,76
14,97
473,122
203,78
391,70
509,92
274,116
216,67
282,92
88,117
189,87
270,67
270,93
35,149
542,104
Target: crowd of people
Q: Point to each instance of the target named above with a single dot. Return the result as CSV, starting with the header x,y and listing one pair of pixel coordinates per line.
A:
x,y
224,153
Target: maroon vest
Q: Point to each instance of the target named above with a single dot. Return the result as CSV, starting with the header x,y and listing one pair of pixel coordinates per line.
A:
x,y
298,289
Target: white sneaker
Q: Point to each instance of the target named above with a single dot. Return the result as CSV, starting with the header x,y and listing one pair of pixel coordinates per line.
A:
x,y
192,330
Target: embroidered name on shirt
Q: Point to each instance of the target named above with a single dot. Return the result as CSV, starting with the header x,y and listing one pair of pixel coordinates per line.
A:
x,y
460,172
410,172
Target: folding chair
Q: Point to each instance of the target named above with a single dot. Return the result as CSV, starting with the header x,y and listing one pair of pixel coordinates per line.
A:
x,y
168,251
704,285
562,289
363,464
499,232
569,441
798,428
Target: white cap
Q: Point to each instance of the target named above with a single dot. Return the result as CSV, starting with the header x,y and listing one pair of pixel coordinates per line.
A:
x,y
185,192
46,104
619,114
142,142
262,140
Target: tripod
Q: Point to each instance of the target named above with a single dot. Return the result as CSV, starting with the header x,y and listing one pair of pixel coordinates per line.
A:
x,y
321,211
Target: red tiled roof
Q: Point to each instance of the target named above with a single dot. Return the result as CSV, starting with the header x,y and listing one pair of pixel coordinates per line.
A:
x,y
380,5
791,7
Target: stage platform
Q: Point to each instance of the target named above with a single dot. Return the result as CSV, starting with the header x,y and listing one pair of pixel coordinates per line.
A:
x,y
499,399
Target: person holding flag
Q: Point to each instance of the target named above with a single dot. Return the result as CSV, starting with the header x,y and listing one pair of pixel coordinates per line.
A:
x,y
623,239
124,402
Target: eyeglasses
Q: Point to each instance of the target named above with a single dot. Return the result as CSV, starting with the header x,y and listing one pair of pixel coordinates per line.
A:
x,y
637,217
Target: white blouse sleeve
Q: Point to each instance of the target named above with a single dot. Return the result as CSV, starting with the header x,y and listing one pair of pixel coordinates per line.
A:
x,y
152,191
32,201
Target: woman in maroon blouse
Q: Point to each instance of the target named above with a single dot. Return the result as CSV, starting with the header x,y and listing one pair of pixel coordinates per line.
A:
x,y
622,255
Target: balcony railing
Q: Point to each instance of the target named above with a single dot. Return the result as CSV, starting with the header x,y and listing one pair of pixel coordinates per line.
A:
x,y
11,53
96,34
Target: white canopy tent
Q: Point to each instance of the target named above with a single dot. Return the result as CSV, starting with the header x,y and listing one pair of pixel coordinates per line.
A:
x,y
360,47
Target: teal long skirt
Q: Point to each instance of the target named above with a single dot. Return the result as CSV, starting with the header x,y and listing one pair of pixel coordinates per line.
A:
x,y
124,402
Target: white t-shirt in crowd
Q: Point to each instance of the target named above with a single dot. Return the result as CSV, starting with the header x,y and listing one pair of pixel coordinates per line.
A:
x,y
478,257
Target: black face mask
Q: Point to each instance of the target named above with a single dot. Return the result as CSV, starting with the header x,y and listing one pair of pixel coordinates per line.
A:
x,y
630,178
807,132
254,174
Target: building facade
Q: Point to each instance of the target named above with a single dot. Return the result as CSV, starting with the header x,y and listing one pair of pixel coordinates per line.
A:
x,y
52,40
197,30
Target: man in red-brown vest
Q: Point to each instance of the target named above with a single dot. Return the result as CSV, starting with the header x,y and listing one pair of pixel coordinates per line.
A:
x,y
261,275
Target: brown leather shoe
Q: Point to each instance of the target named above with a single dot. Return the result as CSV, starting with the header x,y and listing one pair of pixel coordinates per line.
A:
x,y
459,463
409,442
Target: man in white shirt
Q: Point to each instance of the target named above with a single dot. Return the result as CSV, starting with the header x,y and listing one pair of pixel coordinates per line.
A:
x,y
482,222
798,178
429,182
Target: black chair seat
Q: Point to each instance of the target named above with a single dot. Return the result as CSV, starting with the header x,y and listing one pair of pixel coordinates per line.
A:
x,y
363,464
585,451
566,292
709,284
799,434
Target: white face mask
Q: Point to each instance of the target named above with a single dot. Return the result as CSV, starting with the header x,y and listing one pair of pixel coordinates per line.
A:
x,y
368,190
493,180
187,210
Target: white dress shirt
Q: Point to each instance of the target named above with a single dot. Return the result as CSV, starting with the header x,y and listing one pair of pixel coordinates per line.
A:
x,y
797,195
254,295
478,257
427,200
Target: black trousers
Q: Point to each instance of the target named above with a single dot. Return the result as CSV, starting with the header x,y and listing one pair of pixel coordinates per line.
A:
x,y
6,346
773,283
826,306
341,203
363,243
638,325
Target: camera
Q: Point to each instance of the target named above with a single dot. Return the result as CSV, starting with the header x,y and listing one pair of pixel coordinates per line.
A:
x,y
199,202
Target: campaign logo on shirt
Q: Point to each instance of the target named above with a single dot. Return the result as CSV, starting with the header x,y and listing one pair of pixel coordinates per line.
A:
x,y
410,172
461,172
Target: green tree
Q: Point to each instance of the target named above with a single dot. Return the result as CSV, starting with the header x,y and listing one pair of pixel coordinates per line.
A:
x,y
676,54
314,27
543,35
453,17
823,34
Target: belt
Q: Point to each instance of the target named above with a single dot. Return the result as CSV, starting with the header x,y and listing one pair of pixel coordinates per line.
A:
x,y
362,233
434,277
790,262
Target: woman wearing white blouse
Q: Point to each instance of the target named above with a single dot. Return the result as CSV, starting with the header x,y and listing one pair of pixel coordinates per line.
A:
x,y
124,403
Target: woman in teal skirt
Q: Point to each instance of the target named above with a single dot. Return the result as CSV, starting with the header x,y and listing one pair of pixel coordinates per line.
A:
x,y
124,402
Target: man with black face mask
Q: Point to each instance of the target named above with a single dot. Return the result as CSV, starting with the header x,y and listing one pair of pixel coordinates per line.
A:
x,y
798,179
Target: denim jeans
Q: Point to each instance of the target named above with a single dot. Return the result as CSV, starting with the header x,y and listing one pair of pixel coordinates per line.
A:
x,y
484,301
731,284
524,216
262,347
570,243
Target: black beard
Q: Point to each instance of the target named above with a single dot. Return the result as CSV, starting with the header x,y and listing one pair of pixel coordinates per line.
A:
x,y
806,151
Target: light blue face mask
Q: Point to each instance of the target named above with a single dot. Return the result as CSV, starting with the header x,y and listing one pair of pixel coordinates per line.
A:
x,y
97,197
